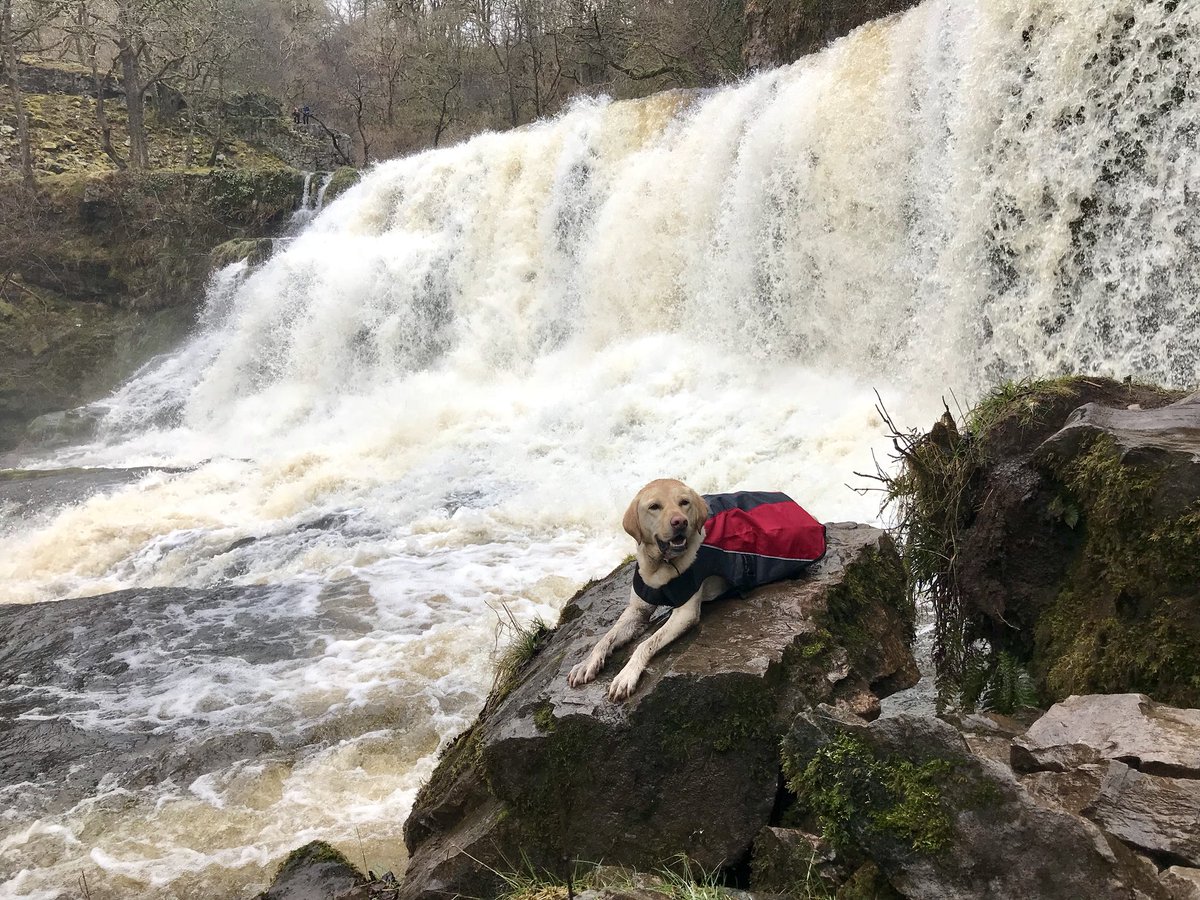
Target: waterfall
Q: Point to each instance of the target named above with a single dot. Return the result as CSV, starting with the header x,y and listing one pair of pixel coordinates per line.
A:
x,y
440,395
310,203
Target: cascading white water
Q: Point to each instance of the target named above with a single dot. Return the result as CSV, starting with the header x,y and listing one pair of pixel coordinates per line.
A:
x,y
470,361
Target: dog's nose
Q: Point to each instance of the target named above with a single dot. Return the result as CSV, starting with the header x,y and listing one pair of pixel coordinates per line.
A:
x,y
678,522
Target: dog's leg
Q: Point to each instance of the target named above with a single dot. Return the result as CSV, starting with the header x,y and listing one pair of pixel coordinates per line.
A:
x,y
630,623
682,618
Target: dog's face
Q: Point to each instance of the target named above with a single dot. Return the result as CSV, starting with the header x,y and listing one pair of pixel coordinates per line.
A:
x,y
666,515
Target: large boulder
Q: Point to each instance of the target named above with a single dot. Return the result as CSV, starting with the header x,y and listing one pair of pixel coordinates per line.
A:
x,y
549,775
1130,765
1126,616
1060,523
1104,727
940,823
1159,816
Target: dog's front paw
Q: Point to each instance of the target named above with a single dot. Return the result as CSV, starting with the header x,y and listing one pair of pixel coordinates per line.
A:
x,y
585,672
623,685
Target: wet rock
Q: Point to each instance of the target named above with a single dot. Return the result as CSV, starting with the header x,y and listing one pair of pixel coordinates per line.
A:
x,y
1071,791
1182,883
23,491
1165,440
344,178
255,251
315,871
908,794
62,662
690,764
1157,815
109,271
989,735
1074,543
1097,728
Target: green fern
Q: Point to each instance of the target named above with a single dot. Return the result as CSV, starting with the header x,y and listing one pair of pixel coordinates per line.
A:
x,y
1010,687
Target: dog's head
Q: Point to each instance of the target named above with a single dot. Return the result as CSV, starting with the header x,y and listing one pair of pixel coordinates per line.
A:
x,y
667,518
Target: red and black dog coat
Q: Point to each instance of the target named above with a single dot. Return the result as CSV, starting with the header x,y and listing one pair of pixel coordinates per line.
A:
x,y
751,538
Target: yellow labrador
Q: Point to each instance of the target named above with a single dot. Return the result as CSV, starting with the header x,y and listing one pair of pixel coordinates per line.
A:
x,y
666,518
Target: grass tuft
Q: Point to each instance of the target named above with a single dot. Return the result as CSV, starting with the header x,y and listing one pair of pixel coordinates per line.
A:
x,y
519,648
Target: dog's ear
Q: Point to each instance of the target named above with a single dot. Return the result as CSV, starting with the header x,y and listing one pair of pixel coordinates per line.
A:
x,y
632,522
697,510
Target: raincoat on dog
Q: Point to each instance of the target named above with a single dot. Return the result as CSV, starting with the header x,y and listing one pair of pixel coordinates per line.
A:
x,y
751,538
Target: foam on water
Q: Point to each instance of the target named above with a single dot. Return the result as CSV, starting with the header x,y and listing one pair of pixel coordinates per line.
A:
x,y
438,398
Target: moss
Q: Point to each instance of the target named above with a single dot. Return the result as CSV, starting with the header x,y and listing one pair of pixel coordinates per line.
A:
x,y
1021,403
254,250
1128,617
817,645
876,581
789,869
868,883
741,715
316,852
542,811
849,788
66,138
939,490
461,754
543,718
343,179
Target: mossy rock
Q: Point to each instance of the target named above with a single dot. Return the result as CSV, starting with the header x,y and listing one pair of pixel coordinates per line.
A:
x,y
1127,616
315,870
847,786
905,796
1056,563
98,262
343,179
255,251
689,765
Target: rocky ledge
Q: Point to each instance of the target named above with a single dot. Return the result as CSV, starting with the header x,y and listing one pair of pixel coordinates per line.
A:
x,y
549,775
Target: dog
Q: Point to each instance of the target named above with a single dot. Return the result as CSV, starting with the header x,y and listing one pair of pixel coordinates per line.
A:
x,y
692,548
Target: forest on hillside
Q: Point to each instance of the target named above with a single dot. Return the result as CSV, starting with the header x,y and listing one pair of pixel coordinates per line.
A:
x,y
396,75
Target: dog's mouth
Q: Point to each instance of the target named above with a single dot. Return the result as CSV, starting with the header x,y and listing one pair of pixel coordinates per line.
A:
x,y
673,547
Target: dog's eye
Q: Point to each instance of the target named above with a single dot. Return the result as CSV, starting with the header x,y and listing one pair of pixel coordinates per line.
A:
x,y
683,503
654,507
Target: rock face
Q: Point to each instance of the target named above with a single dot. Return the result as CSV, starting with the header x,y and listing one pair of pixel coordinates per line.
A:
x,y
1077,551
939,822
110,268
690,764
1101,728
1159,816
1127,763
63,78
781,31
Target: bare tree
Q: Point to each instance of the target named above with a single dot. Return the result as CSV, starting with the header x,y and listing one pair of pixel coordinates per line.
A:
x,y
14,35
